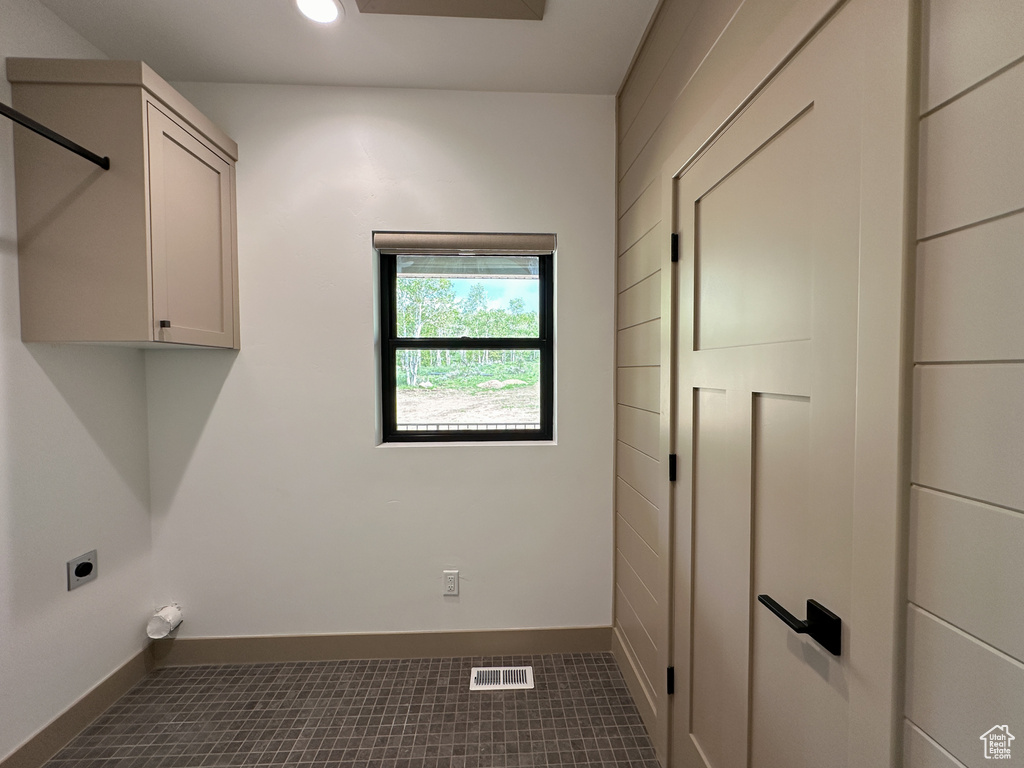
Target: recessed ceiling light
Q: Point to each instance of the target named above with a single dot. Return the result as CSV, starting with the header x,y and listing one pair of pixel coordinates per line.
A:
x,y
320,11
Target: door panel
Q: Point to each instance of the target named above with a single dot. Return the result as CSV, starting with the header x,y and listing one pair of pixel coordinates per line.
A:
x,y
811,728
755,274
721,578
772,224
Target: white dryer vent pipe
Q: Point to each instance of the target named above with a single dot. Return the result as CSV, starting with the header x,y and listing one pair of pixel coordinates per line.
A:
x,y
164,621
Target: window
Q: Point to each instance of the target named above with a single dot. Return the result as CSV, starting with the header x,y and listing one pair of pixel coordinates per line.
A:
x,y
466,336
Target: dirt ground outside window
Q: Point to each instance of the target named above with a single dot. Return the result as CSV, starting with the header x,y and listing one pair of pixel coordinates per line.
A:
x,y
511,405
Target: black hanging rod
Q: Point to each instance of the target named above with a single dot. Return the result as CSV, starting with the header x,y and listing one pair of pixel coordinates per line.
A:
x,y
42,130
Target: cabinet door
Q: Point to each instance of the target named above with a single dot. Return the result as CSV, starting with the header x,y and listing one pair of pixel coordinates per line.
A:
x,y
190,197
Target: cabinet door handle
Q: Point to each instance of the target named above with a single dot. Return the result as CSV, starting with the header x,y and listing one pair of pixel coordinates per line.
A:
x,y
823,626
165,323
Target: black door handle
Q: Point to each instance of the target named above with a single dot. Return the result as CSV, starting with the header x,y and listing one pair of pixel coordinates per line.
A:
x,y
822,625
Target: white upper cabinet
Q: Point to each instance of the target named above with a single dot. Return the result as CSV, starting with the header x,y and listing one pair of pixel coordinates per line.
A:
x,y
141,254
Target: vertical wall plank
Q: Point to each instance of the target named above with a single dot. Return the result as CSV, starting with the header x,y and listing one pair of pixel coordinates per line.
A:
x,y
969,431
968,170
965,565
969,288
957,687
963,43
919,751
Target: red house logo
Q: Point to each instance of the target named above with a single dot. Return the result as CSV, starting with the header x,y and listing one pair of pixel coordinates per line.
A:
x,y
997,742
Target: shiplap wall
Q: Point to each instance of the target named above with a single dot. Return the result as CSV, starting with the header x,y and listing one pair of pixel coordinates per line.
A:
x,y
680,35
965,622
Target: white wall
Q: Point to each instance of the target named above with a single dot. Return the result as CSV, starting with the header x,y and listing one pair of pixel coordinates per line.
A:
x,y
73,473
274,510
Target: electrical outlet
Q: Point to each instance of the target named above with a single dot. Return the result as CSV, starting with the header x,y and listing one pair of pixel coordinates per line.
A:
x,y
82,569
451,582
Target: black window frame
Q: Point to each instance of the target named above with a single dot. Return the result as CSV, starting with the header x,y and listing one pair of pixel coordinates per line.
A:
x,y
391,343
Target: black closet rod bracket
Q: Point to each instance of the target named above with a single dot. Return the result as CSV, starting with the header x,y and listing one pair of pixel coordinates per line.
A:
x,y
42,130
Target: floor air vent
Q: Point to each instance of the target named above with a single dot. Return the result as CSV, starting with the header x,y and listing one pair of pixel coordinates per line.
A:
x,y
500,678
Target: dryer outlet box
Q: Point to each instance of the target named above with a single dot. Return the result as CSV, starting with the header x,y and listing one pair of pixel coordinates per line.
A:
x,y
82,569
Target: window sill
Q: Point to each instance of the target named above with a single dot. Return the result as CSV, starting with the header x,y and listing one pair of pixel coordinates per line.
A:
x,y
470,444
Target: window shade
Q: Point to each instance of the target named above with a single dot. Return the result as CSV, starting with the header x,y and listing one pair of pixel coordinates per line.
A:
x,y
467,266
441,243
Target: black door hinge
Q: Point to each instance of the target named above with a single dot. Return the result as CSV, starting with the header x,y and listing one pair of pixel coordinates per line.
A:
x,y
675,247
671,680
671,467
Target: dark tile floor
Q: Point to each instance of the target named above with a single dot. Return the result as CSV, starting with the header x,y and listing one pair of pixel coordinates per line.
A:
x,y
415,713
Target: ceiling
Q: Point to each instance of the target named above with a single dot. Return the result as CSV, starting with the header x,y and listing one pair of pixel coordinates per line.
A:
x,y
581,46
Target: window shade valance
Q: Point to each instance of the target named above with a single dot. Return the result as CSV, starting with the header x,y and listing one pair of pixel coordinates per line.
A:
x,y
442,243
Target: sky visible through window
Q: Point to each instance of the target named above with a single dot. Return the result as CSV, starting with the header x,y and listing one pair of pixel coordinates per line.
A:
x,y
500,291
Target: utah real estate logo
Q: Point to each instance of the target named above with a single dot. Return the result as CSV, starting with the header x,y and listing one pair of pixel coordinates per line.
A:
x,y
997,742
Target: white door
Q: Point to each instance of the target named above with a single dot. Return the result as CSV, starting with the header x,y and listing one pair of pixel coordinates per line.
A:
x,y
788,332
